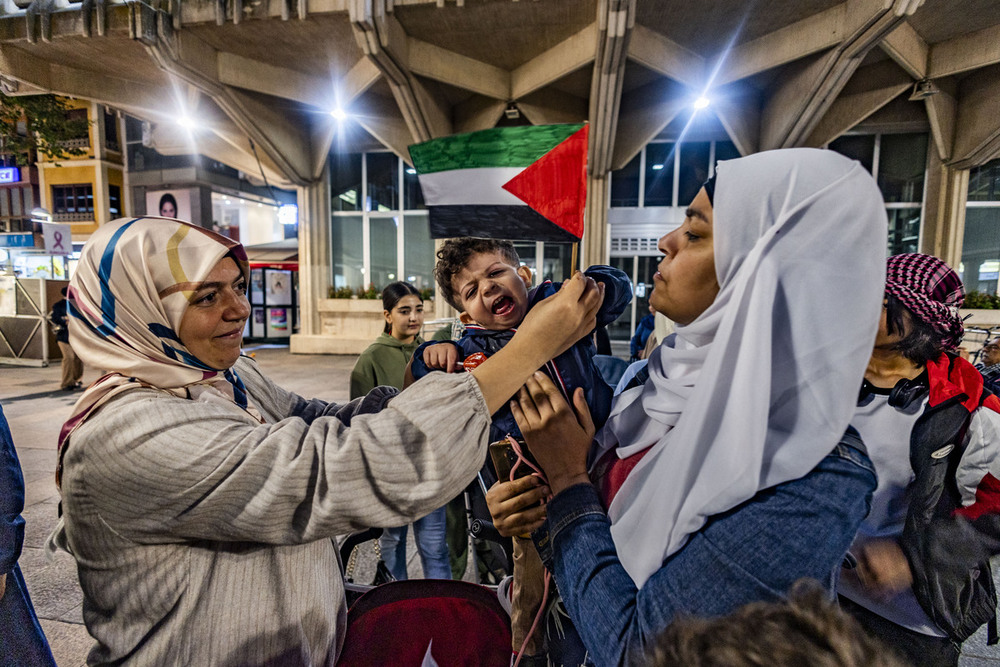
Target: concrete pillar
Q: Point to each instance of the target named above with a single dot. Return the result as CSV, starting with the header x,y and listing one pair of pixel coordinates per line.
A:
x,y
594,247
314,256
945,195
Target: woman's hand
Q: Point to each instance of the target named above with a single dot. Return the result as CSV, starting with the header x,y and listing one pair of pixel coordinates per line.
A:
x,y
559,437
883,568
555,323
515,507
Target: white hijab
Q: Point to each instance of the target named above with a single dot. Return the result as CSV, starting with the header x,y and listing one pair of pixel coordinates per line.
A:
x,y
761,386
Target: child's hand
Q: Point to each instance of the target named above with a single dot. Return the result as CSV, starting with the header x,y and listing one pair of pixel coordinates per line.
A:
x,y
514,505
442,357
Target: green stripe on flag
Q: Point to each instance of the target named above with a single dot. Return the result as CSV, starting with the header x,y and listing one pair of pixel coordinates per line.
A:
x,y
500,147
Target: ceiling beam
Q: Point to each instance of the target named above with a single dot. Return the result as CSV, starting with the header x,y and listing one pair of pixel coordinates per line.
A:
x,y
977,127
549,106
871,89
740,117
381,120
565,57
803,99
942,112
664,56
184,56
477,113
615,21
645,112
262,77
908,50
455,69
965,53
803,38
384,41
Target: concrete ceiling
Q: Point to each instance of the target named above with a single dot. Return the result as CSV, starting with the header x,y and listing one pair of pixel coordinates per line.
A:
x,y
780,73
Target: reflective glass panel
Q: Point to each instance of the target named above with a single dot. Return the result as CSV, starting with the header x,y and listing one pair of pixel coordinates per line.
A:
x,y
418,252
557,264
904,230
984,182
345,181
902,161
413,197
625,184
981,249
693,170
383,182
857,147
347,258
659,175
382,233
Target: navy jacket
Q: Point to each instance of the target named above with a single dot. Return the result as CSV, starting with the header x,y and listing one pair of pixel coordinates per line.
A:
x,y
571,369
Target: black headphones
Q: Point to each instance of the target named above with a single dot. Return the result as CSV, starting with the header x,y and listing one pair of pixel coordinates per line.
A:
x,y
903,395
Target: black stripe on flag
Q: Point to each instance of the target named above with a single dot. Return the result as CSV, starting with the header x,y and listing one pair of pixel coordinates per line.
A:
x,y
516,223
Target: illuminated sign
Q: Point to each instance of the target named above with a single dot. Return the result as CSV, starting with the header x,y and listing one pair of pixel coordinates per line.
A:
x,y
10,175
17,241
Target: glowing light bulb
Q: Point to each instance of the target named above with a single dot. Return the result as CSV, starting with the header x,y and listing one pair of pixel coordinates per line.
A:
x,y
701,103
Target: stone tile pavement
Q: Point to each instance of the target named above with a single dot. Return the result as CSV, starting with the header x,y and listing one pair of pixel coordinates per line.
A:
x,y
36,409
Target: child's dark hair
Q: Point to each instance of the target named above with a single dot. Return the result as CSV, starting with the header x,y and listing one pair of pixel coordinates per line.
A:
x,y
454,255
922,344
391,295
806,629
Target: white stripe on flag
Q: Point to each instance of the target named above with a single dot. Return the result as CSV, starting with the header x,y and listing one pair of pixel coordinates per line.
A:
x,y
461,187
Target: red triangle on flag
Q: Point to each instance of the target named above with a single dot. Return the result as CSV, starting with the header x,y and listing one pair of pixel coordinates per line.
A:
x,y
555,184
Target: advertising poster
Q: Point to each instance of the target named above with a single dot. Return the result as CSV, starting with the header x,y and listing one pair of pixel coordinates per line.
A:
x,y
279,288
277,323
170,204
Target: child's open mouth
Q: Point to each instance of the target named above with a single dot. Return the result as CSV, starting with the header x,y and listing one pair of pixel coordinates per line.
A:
x,y
503,306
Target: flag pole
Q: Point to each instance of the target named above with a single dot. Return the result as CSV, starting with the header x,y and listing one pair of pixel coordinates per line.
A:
x,y
572,262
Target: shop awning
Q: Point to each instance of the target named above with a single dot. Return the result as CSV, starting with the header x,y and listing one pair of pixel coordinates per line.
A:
x,y
285,253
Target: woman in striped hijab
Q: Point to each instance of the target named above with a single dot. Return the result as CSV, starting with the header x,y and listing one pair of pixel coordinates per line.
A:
x,y
199,498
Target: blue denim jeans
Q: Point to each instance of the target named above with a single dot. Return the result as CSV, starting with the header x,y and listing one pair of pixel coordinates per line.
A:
x,y
753,552
429,534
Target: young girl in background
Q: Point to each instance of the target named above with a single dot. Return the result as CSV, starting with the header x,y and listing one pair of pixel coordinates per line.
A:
x,y
384,363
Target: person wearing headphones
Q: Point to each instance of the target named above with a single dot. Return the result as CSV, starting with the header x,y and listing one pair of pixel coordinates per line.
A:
x,y
917,575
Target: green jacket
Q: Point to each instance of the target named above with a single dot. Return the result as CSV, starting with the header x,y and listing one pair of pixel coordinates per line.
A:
x,y
383,363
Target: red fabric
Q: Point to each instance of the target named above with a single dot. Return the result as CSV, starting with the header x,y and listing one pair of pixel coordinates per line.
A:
x,y
611,472
556,184
950,376
987,499
394,624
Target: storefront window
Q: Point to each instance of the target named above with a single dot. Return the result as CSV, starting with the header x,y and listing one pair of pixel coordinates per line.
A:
x,y
526,253
659,186
856,147
625,184
904,230
984,182
725,150
383,182
345,177
557,264
981,249
348,252
382,250
413,196
901,166
693,170
418,251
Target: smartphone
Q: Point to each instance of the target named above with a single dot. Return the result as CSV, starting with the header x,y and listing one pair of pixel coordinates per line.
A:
x,y
504,458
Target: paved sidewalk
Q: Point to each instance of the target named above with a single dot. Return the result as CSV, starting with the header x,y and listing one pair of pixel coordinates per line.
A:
x,y
36,409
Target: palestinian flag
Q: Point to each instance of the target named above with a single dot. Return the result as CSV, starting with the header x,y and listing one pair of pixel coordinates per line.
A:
x,y
521,183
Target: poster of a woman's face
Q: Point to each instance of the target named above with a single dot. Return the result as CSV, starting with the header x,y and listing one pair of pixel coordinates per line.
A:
x,y
170,204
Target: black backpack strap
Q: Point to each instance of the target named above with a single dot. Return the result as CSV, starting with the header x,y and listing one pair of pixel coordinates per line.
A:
x,y
991,631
